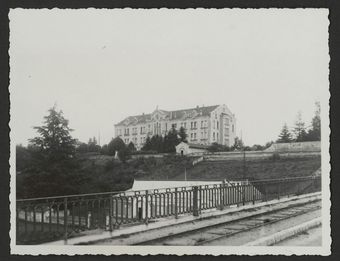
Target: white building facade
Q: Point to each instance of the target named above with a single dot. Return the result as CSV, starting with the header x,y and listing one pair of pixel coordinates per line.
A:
x,y
203,125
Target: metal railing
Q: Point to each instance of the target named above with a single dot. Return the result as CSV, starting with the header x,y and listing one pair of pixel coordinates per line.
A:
x,y
51,218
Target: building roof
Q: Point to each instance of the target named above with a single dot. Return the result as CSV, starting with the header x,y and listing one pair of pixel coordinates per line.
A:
x,y
170,115
133,120
198,146
163,184
192,113
193,145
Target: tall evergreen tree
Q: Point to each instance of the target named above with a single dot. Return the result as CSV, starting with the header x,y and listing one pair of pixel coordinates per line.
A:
x,y
300,129
159,146
314,134
147,145
182,134
285,135
171,140
156,143
54,166
54,140
131,147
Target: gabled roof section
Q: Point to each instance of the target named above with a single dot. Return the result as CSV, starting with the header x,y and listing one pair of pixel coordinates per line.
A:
x,y
191,113
198,146
133,120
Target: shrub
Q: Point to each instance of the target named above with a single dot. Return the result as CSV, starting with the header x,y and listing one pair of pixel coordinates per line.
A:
x,y
275,156
215,147
109,165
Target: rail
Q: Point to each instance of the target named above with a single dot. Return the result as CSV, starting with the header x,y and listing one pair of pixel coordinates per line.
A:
x,y
51,218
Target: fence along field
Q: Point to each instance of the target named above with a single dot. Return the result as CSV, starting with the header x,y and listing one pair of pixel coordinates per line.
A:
x,y
52,218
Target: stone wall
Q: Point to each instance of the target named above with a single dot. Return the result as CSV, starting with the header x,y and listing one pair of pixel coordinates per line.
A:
x,y
307,146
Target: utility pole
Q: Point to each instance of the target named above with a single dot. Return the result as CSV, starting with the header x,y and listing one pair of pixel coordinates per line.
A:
x,y
185,174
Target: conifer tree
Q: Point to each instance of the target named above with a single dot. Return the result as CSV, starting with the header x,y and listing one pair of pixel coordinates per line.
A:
x,y
314,134
300,130
147,145
182,134
285,135
54,141
54,168
171,140
131,147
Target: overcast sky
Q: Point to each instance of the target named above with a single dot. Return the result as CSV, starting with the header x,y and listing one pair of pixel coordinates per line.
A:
x,y
101,66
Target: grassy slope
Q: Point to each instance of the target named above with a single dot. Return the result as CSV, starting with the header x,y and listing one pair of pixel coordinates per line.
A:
x,y
256,168
105,174
120,175
102,173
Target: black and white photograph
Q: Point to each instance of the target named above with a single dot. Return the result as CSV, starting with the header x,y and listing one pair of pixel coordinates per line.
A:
x,y
169,131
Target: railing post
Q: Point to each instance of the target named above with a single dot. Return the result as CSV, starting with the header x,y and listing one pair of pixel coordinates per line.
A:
x,y
140,213
89,219
65,221
146,206
243,194
226,193
254,193
200,200
195,201
110,213
222,195
176,203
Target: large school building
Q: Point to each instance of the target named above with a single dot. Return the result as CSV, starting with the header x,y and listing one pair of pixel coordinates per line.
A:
x,y
203,125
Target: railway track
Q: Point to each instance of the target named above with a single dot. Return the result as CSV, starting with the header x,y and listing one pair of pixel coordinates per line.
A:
x,y
223,231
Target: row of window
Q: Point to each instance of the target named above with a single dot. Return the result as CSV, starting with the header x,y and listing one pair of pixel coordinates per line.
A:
x,y
142,130
135,140
215,124
193,124
157,128
215,137
193,136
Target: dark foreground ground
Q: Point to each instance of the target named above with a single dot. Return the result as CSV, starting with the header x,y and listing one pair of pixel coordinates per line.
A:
x,y
102,173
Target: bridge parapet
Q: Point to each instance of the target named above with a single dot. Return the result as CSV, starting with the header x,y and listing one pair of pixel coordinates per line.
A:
x,y
47,219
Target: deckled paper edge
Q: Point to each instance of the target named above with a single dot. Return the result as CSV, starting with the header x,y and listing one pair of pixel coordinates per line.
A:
x,y
324,250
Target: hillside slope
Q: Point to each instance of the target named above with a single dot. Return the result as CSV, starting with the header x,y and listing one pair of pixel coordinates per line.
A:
x,y
102,173
254,169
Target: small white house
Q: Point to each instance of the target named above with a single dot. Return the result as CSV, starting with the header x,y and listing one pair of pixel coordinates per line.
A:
x,y
189,148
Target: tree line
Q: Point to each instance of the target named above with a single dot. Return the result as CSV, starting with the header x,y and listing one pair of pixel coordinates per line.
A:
x,y
166,144
52,163
300,132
